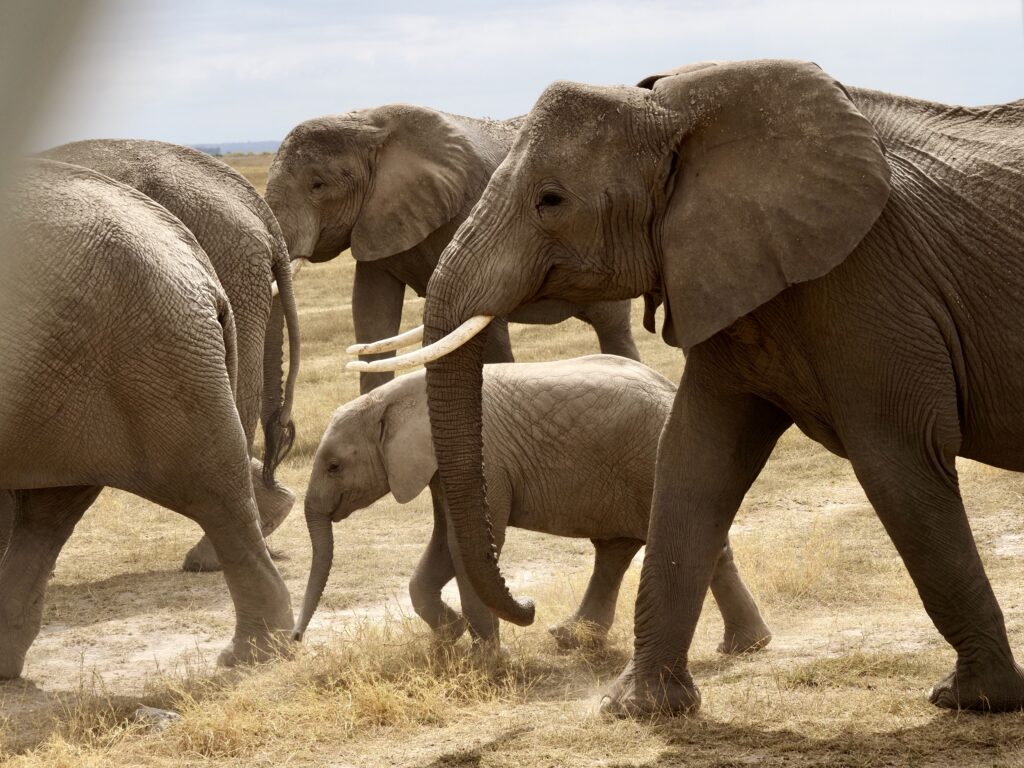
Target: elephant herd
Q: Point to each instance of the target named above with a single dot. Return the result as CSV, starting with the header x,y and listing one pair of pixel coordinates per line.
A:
x,y
839,259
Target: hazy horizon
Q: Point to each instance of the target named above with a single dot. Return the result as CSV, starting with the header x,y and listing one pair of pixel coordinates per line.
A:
x,y
230,72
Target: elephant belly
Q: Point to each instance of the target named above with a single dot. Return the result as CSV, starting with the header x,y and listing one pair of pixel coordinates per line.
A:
x,y
591,522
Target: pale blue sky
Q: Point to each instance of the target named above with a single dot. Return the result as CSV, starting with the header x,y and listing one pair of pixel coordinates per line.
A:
x,y
195,71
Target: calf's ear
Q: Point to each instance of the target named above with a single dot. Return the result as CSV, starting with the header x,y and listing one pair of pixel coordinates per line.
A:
x,y
406,444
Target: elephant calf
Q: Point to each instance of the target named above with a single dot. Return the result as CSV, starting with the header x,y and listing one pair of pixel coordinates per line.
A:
x,y
570,450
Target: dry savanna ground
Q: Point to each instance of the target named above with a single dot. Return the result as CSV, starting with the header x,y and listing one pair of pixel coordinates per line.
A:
x,y
842,683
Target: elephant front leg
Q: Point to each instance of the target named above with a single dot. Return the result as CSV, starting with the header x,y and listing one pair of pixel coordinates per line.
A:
x,y
377,298
914,489
590,624
611,322
434,570
41,523
712,448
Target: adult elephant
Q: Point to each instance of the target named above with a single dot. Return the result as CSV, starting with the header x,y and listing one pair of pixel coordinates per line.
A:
x,y
394,183
119,369
240,235
849,261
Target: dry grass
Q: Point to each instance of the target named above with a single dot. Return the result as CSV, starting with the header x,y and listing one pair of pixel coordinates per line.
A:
x,y
842,683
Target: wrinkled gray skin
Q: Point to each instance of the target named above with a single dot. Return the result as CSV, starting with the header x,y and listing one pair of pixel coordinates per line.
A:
x,y
846,261
394,183
569,448
112,293
241,236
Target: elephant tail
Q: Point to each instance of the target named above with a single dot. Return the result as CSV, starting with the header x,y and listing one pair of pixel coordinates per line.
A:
x,y
226,318
278,427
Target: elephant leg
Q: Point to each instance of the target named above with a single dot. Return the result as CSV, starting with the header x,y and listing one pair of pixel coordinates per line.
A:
x,y
592,620
498,347
42,522
273,504
745,630
912,484
712,448
611,321
483,625
6,519
223,506
377,298
434,570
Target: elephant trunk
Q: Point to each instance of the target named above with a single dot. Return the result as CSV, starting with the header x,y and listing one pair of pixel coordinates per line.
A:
x,y
454,387
278,428
321,536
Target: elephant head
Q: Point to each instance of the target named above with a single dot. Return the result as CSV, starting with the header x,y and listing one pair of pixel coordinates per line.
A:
x,y
713,188
377,443
376,180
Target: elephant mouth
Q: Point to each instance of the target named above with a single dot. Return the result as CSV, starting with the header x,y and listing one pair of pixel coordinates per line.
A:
x,y
340,511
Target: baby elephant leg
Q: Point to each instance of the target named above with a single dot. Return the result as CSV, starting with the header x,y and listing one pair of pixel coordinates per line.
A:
x,y
435,569
590,624
745,630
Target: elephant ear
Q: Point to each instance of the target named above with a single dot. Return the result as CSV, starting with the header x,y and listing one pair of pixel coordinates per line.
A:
x,y
427,171
775,179
406,445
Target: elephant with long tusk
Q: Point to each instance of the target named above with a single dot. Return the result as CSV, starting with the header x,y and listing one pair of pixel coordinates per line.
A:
x,y
570,449
840,259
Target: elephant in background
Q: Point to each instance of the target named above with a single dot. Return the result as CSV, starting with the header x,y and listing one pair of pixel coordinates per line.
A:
x,y
120,368
394,183
239,233
569,448
841,259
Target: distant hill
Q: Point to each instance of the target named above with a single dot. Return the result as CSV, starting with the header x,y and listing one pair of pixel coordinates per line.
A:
x,y
242,147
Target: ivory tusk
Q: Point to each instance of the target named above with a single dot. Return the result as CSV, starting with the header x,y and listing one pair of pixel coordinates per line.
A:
x,y
438,349
387,345
296,266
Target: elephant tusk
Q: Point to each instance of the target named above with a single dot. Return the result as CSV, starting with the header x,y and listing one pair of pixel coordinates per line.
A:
x,y
388,345
296,266
438,349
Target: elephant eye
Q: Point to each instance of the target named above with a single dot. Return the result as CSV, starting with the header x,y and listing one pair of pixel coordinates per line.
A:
x,y
549,200
317,184
333,467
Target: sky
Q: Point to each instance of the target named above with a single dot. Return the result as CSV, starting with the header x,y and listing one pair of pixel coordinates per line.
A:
x,y
208,71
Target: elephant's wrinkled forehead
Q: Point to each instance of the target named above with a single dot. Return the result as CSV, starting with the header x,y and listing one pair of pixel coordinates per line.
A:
x,y
577,118
322,137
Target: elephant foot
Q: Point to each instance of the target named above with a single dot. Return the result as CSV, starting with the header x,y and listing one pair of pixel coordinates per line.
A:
x,y
201,558
450,632
11,664
746,639
257,649
993,688
578,633
491,651
629,697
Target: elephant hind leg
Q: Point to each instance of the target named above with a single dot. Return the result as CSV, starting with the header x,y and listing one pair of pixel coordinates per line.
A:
x,y
42,521
434,570
914,489
611,322
273,504
745,630
594,617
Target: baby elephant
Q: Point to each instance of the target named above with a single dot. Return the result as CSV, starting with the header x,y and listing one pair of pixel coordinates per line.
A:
x,y
569,449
